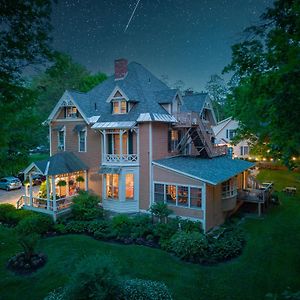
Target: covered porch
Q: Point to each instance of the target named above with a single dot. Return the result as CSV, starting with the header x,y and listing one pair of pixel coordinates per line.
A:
x,y
65,176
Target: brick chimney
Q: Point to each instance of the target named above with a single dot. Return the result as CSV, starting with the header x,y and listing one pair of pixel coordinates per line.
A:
x,y
120,68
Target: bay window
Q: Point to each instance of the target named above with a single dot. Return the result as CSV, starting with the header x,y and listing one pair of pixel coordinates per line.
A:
x,y
129,184
112,186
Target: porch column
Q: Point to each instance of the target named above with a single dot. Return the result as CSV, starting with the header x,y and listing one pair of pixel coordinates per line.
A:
x,y
48,192
138,144
85,180
30,189
53,193
104,146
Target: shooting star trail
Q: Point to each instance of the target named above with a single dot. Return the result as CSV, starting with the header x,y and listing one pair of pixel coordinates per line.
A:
x,y
131,16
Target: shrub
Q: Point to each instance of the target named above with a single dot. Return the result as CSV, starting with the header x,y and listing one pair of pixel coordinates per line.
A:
x,y
160,210
86,207
226,244
76,226
60,228
58,294
191,246
122,226
190,226
141,227
95,277
164,232
5,211
36,223
137,289
104,231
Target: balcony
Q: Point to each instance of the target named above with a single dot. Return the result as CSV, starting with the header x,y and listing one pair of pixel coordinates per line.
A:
x,y
120,158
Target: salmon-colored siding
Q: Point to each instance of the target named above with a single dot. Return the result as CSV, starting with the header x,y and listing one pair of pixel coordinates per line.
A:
x,y
214,212
144,165
164,175
92,157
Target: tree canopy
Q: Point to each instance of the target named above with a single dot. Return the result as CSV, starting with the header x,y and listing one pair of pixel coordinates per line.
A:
x,y
266,99
24,41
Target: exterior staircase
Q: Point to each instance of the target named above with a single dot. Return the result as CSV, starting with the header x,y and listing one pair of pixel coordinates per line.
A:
x,y
198,133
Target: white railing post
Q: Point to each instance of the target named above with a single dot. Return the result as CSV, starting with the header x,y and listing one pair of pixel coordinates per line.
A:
x,y
121,144
30,189
53,194
48,192
138,144
104,146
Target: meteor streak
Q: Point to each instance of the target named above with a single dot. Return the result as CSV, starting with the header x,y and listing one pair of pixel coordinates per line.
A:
x,y
131,16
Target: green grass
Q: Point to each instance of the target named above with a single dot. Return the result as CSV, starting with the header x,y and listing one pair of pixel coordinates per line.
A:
x,y
269,263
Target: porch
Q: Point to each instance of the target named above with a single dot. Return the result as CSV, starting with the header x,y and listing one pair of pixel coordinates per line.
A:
x,y
65,176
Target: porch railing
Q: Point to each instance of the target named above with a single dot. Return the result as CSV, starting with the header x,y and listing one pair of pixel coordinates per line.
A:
x,y
42,203
120,158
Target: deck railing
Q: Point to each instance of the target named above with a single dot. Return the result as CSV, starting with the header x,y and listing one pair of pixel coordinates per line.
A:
x,y
120,158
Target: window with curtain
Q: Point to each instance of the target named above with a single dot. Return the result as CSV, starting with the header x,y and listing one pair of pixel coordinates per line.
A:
x,y
171,194
183,195
112,186
129,183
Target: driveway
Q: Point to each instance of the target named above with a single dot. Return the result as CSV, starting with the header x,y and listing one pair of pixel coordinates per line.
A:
x,y
13,196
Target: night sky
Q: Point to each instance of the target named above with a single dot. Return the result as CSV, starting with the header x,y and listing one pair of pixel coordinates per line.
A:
x,y
184,39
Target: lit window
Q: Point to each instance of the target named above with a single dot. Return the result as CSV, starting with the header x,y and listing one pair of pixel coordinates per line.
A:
x,y
123,107
112,186
173,140
195,197
116,107
82,140
71,112
158,192
61,140
129,181
171,194
119,107
183,195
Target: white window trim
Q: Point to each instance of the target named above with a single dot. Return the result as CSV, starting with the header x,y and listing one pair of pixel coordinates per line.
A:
x,y
189,186
119,100
232,192
85,140
58,145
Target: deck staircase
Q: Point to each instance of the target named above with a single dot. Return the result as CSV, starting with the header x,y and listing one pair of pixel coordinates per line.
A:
x,y
198,133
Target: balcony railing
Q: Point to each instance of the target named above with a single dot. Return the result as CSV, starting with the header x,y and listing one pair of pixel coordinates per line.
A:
x,y
120,158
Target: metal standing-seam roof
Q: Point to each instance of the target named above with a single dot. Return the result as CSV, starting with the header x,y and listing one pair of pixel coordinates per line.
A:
x,y
213,171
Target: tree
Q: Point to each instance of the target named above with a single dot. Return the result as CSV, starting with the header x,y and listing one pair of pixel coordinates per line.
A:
x,y
266,99
63,74
24,41
217,90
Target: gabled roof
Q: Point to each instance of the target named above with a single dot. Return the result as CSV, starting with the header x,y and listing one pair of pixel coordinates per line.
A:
x,y
221,125
166,96
212,171
60,163
195,102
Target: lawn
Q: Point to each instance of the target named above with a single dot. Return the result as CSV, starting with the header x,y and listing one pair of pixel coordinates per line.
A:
x,y
269,263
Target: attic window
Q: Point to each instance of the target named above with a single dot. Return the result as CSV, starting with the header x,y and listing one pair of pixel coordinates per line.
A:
x,y
119,107
71,112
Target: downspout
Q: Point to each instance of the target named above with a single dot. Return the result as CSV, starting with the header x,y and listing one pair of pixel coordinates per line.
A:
x,y
150,164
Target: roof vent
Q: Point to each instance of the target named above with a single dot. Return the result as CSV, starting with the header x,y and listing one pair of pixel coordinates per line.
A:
x,y
120,68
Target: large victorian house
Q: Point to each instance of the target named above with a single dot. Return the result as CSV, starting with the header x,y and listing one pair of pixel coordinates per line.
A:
x,y
134,141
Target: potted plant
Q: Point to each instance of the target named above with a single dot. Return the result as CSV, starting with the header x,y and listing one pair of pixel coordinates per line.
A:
x,y
78,180
60,184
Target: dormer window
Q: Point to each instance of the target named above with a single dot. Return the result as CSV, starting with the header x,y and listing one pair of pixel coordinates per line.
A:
x,y
71,112
119,107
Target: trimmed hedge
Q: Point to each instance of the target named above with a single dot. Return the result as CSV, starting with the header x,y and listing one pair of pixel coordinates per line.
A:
x,y
11,216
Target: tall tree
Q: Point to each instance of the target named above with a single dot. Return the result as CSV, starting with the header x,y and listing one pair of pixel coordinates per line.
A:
x,y
24,41
63,74
266,99
217,90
